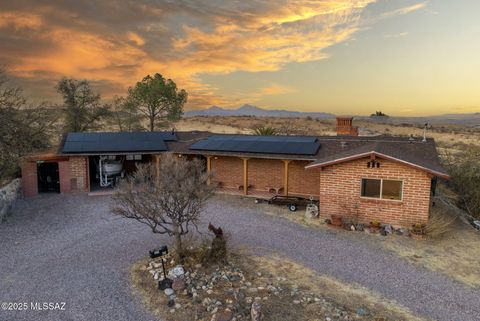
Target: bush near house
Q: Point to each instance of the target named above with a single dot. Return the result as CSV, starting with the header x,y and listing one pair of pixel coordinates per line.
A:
x,y
464,170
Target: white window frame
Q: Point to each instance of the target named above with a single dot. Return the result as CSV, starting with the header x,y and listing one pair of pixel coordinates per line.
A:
x,y
381,189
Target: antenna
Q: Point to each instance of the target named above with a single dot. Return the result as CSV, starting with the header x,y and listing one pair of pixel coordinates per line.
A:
x,y
424,140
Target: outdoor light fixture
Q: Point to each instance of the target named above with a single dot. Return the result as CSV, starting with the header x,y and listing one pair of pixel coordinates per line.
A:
x,y
161,252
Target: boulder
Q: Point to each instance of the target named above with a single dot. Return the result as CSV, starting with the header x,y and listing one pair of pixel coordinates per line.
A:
x,y
179,284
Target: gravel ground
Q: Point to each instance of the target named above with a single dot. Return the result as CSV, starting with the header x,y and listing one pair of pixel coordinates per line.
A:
x,y
71,249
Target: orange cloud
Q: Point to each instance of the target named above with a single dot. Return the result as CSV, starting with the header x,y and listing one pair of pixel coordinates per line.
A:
x,y
179,40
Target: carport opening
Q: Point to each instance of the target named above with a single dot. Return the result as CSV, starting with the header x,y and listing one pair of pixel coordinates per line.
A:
x,y
108,170
48,177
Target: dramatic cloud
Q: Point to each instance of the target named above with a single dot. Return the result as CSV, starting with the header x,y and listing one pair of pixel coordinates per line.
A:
x,y
117,43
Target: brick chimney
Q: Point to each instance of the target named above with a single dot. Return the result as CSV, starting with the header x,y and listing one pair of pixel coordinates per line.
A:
x,y
344,126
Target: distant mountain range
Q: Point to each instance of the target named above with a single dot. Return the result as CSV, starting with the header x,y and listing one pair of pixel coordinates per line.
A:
x,y
470,119
250,110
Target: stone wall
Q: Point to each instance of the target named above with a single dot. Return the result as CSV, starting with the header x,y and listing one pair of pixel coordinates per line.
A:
x,y
8,195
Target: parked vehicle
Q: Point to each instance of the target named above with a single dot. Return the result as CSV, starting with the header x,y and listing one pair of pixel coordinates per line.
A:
x,y
292,202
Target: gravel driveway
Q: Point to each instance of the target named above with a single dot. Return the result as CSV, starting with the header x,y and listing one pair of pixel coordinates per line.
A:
x,y
71,249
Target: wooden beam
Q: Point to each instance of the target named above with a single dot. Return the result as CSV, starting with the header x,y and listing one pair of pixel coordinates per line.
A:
x,y
245,176
285,177
209,168
157,165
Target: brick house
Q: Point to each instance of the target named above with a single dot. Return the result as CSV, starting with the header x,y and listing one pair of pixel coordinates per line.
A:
x,y
389,179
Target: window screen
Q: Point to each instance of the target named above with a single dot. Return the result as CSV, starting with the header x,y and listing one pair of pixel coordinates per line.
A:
x,y
392,190
371,187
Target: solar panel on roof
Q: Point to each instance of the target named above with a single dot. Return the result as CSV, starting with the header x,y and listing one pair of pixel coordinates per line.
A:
x,y
117,142
294,145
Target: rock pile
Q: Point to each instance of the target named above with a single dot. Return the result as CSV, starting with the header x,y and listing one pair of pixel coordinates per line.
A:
x,y
228,293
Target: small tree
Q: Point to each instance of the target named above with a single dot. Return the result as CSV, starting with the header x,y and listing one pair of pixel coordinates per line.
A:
x,y
82,105
170,201
158,99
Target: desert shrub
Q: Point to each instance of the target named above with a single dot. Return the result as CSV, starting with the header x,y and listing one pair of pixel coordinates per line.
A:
x,y
464,170
265,131
439,223
217,251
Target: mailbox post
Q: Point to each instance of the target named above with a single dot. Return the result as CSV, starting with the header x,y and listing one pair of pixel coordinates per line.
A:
x,y
161,252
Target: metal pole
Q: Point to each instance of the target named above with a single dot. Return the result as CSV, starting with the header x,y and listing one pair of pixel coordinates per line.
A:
x,y
164,272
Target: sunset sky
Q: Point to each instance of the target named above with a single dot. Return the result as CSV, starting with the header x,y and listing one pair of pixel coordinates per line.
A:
x,y
403,57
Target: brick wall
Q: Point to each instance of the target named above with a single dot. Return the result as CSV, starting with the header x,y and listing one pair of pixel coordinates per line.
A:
x,y
302,181
29,179
228,171
264,174
340,187
78,174
64,173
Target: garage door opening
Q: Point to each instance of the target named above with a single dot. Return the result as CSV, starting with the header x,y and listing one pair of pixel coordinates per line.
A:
x,y
106,171
48,177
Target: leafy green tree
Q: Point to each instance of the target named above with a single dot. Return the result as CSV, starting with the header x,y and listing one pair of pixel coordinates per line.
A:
x,y
24,127
158,99
124,115
265,131
81,104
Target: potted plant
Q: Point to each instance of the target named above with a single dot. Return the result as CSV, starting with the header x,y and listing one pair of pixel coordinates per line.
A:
x,y
375,224
336,220
418,230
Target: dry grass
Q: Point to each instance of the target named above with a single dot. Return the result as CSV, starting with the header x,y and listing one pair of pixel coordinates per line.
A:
x,y
293,275
455,254
440,223
350,296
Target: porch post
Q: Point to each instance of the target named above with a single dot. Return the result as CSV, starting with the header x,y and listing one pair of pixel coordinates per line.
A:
x,y
157,165
285,176
245,176
209,168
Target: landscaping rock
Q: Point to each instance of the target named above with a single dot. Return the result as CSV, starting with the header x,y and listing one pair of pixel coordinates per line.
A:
x,y
388,228
176,272
168,292
256,311
224,315
363,312
178,284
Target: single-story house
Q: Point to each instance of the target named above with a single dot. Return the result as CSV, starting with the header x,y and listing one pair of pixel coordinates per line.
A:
x,y
383,178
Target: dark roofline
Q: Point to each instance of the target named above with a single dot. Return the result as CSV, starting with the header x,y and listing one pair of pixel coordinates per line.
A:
x,y
380,155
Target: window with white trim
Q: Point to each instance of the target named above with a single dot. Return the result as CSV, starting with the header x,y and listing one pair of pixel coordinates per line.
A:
x,y
382,188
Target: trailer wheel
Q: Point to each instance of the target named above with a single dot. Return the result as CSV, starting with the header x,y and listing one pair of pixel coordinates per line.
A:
x,y
292,207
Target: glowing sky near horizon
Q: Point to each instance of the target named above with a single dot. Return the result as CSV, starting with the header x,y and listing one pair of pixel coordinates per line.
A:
x,y
404,57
